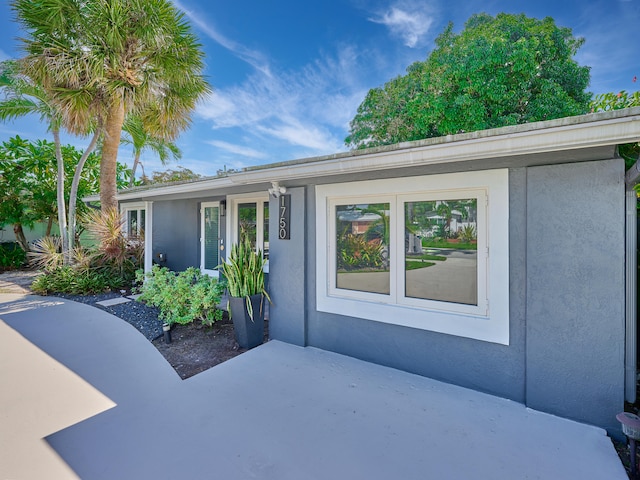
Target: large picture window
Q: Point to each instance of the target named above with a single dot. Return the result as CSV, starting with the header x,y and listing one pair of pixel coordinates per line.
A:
x,y
415,251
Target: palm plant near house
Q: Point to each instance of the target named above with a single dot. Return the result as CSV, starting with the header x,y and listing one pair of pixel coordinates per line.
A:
x,y
101,61
244,272
114,251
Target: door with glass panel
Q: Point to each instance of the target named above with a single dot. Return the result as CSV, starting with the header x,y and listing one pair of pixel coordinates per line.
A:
x,y
252,222
210,238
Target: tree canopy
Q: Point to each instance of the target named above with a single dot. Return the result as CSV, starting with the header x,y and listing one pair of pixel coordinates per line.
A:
x,y
180,174
498,71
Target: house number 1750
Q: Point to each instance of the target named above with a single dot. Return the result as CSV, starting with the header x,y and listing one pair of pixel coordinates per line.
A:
x,y
284,215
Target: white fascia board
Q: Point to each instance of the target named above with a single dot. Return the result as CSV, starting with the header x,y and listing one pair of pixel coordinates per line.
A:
x,y
570,137
571,133
210,184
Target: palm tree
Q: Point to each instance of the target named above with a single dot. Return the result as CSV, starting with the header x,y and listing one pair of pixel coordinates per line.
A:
x,y
106,59
140,140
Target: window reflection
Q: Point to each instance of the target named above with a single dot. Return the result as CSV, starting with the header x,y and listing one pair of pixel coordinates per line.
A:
x,y
211,226
362,247
265,231
441,261
247,223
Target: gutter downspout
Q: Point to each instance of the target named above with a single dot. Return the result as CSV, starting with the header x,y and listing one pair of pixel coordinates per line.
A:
x,y
631,271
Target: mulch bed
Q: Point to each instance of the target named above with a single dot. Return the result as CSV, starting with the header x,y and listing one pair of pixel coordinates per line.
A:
x,y
194,347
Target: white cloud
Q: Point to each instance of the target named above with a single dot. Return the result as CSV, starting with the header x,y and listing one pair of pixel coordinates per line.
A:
x,y
307,136
305,111
309,108
237,149
409,20
252,57
3,55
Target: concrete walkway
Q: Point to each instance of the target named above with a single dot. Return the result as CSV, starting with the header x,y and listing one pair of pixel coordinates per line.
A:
x,y
276,412
17,281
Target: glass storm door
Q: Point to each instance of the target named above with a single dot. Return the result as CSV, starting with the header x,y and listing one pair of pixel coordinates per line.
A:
x,y
210,239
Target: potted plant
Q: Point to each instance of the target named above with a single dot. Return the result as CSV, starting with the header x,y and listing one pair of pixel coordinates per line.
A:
x,y
244,271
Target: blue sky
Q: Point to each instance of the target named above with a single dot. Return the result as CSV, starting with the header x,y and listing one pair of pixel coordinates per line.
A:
x,y
288,76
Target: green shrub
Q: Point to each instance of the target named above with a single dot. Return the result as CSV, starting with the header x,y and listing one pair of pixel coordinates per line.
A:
x,y
110,264
11,256
182,297
65,279
468,233
355,252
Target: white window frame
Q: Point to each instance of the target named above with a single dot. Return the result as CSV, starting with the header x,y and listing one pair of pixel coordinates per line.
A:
x,y
147,207
203,205
487,321
133,207
233,201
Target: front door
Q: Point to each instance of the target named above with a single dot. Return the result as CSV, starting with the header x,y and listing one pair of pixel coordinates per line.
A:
x,y
250,219
210,238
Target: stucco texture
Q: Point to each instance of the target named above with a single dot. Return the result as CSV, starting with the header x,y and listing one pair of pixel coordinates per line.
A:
x,y
575,290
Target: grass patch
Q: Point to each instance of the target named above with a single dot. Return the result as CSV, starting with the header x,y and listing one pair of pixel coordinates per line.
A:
x,y
427,256
416,264
428,243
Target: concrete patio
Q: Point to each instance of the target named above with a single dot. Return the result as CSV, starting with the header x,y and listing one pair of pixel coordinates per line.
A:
x,y
108,406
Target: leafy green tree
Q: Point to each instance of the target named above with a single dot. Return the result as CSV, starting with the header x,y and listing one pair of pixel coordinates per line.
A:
x,y
498,71
180,174
28,182
101,61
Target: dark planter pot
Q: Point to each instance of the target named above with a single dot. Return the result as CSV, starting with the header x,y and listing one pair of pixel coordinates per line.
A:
x,y
249,333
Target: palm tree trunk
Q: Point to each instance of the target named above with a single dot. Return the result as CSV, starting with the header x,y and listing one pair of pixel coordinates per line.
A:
x,y
62,208
113,129
136,161
73,196
49,226
20,238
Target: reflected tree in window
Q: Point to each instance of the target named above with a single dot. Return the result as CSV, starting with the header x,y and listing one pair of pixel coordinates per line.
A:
x,y
247,223
362,247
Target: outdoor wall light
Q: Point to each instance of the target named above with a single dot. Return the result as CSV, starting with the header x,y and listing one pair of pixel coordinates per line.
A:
x,y
162,257
223,208
631,428
276,190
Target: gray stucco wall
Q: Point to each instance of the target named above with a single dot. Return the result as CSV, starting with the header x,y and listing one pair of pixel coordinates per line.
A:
x,y
566,351
575,290
287,288
176,226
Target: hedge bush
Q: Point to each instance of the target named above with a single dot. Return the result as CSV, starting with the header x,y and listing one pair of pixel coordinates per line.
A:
x,y
182,297
11,256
